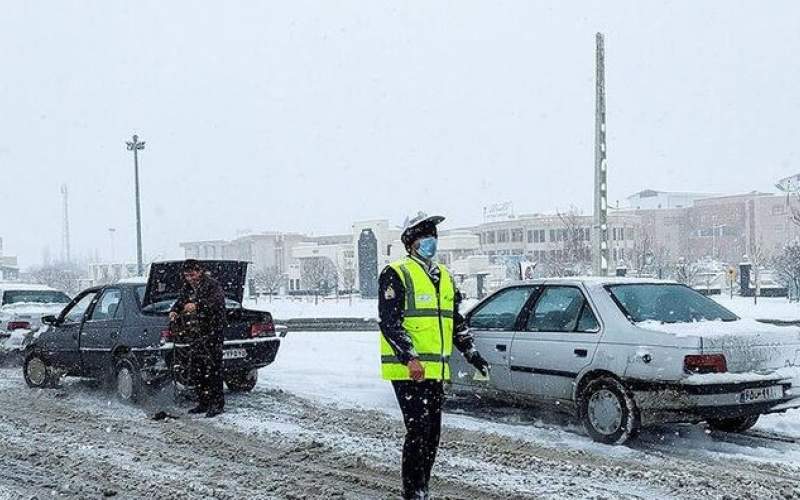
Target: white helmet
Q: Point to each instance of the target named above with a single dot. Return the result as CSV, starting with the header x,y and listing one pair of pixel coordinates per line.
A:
x,y
418,225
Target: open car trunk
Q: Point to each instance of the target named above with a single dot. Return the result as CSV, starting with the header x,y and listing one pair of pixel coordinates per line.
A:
x,y
166,279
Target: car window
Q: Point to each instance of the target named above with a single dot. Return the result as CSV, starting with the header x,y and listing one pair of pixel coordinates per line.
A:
x,y
501,311
76,312
667,303
562,309
108,307
34,297
588,322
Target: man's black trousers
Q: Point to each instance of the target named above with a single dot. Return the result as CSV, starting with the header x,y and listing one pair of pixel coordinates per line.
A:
x,y
207,374
421,404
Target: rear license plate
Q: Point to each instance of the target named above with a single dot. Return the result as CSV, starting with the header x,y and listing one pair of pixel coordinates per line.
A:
x,y
761,394
234,353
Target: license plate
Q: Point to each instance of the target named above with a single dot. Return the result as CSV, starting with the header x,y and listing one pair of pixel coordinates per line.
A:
x,y
761,394
234,353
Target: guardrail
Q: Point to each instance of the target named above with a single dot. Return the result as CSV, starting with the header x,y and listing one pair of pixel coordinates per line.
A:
x,y
371,324
781,322
330,324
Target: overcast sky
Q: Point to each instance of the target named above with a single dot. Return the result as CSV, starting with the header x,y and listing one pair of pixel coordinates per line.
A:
x,y
306,116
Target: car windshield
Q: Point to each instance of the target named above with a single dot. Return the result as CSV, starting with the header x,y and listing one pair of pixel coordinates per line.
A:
x,y
163,306
667,303
34,297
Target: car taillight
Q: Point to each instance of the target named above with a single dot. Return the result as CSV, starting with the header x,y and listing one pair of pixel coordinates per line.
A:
x,y
262,329
166,335
19,325
705,363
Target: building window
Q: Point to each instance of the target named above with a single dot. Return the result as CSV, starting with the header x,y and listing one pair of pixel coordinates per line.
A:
x,y
552,235
490,237
530,236
502,236
517,235
779,210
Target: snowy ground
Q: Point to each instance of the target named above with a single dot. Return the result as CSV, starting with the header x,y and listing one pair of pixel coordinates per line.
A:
x,y
321,424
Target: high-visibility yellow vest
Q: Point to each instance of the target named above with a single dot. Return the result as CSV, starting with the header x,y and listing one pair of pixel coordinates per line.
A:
x,y
428,319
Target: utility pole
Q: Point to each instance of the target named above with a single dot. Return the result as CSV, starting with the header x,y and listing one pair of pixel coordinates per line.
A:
x,y
65,224
135,145
600,233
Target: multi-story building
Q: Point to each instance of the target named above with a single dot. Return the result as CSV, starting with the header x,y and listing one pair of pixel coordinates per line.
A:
x,y
106,273
650,199
546,238
262,250
720,228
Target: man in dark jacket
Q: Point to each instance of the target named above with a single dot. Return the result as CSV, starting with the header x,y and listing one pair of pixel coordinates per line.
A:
x,y
201,304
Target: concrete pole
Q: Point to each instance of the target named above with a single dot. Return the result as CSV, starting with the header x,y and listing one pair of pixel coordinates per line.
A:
x,y
600,233
135,145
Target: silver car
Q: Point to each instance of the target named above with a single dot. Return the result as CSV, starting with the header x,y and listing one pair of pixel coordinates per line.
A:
x,y
624,353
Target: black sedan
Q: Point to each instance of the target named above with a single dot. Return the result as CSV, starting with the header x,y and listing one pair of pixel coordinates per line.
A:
x,y
121,333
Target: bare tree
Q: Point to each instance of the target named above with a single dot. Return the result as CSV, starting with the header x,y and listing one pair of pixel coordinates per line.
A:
x,y
347,275
758,257
651,259
269,279
320,275
686,272
573,257
60,276
787,267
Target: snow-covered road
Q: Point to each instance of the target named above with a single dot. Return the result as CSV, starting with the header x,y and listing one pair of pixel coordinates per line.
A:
x,y
321,424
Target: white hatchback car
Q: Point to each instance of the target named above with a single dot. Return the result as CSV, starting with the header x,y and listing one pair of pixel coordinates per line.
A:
x,y
621,353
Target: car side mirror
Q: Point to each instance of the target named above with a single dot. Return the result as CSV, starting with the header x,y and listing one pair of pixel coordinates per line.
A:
x,y
49,320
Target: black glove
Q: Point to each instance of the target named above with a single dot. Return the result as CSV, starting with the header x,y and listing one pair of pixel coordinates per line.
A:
x,y
476,360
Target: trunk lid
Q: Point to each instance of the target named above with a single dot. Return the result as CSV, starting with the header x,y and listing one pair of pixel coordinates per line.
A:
x,y
748,345
166,279
752,346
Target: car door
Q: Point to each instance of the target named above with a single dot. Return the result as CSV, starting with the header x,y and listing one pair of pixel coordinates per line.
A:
x,y
63,343
100,330
558,340
492,324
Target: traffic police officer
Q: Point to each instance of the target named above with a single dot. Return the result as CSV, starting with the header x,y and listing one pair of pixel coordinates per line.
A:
x,y
420,322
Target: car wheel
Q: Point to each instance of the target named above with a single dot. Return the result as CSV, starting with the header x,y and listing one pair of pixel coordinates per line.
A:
x,y
243,381
737,424
38,373
128,379
608,412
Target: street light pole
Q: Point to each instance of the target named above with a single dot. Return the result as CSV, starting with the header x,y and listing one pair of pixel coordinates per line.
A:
x,y
135,145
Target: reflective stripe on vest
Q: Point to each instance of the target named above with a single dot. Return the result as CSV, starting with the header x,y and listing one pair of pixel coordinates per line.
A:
x,y
428,320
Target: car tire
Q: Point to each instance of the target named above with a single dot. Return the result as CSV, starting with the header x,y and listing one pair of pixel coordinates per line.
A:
x,y
128,384
242,381
37,372
608,412
736,424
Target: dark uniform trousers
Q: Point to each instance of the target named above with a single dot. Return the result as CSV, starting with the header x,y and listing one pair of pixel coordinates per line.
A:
x,y
421,404
207,373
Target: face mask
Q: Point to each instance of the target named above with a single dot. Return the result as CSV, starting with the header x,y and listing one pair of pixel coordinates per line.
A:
x,y
427,247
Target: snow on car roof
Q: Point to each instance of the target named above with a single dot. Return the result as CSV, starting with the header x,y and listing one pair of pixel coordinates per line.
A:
x,y
136,280
25,287
592,280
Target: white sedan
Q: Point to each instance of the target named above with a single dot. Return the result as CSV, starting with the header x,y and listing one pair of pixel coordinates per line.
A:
x,y
21,309
622,353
